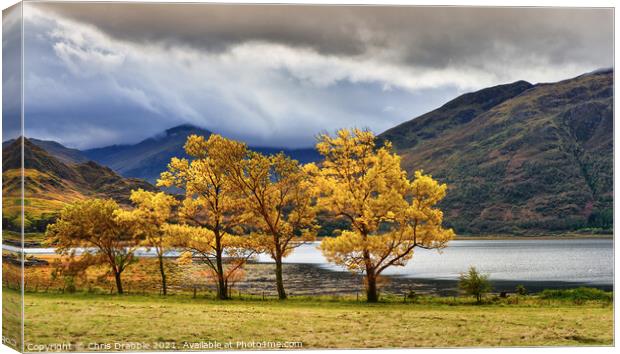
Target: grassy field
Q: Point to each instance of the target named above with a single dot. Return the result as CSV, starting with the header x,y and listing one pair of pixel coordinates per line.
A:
x,y
11,317
325,322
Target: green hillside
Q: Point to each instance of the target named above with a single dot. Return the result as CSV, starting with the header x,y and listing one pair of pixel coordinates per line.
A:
x,y
520,158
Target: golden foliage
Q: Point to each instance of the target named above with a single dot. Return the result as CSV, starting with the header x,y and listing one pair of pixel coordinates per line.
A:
x,y
92,225
238,202
151,213
389,214
212,212
278,201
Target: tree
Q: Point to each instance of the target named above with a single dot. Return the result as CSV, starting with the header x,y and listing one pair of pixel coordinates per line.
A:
x,y
278,204
152,213
521,290
389,214
474,284
92,224
211,213
203,243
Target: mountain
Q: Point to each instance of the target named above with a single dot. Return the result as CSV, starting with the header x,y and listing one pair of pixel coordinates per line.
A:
x,y
519,158
50,184
59,151
148,158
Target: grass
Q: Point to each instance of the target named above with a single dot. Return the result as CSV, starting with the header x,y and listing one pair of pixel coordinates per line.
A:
x,y
11,317
323,322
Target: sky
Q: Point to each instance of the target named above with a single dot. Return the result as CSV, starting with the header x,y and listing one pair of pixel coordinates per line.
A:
x,y
107,73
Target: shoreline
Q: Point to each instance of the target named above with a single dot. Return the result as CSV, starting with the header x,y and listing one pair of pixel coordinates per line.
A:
x,y
311,279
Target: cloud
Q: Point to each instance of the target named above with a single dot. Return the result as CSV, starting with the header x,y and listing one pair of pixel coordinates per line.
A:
x,y
278,75
424,36
11,72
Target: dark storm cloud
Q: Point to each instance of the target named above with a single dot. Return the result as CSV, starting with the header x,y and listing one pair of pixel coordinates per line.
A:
x,y
426,36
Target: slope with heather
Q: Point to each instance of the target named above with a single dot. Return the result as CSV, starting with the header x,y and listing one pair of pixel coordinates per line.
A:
x,y
50,184
520,158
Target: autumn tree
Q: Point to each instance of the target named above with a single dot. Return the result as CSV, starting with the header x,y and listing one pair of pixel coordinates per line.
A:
x,y
278,204
211,213
152,212
389,214
92,224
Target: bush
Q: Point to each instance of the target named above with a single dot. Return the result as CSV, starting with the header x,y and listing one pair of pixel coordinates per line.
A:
x,y
578,295
521,290
474,284
412,295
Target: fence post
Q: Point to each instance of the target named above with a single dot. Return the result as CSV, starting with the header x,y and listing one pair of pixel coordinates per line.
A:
x,y
263,295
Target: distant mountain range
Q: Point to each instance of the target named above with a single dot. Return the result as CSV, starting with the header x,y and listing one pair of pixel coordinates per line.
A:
x,y
519,157
148,158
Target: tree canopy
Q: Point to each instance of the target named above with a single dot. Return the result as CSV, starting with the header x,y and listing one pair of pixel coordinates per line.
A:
x,y
278,204
92,226
149,218
212,213
390,215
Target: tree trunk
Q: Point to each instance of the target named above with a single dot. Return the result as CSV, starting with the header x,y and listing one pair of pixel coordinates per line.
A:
x,y
279,280
371,291
164,287
119,284
222,292
371,278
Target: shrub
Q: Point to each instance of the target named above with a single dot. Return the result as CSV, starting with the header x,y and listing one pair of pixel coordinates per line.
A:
x,y
474,284
521,290
412,295
578,295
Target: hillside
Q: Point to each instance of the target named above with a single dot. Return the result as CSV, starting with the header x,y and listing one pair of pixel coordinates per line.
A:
x,y
520,158
148,158
49,184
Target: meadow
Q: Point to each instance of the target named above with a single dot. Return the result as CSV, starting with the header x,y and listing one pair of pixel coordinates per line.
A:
x,y
179,321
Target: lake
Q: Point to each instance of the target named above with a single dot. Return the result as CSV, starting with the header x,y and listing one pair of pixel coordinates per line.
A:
x,y
585,261
589,261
